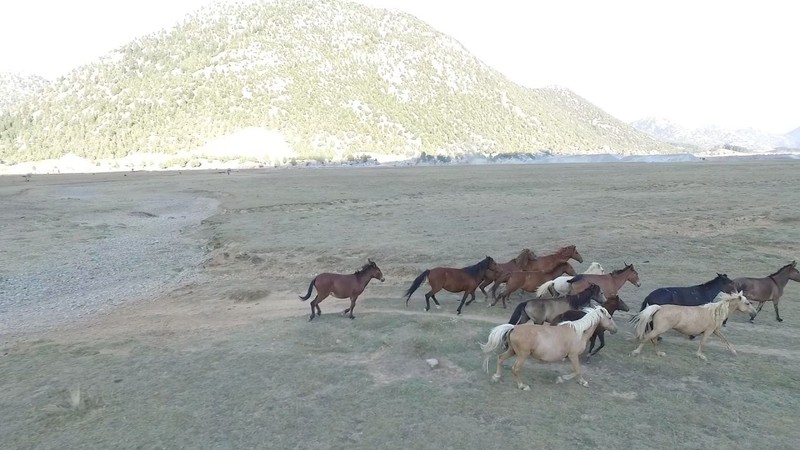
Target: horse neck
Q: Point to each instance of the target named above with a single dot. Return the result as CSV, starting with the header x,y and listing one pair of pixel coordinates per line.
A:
x,y
611,306
619,279
363,278
720,312
590,322
781,277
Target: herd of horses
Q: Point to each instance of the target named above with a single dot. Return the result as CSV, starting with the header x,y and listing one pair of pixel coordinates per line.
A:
x,y
578,308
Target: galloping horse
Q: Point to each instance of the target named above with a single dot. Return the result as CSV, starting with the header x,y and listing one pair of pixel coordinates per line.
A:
x,y
529,280
560,286
454,280
611,305
545,343
342,286
691,320
769,288
521,262
542,310
544,263
610,283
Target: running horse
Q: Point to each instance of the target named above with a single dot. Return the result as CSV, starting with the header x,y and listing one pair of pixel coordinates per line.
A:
x,y
521,262
342,286
530,280
544,264
611,305
769,288
610,283
454,280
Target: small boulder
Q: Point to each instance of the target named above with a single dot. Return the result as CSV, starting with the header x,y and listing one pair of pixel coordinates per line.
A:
x,y
433,363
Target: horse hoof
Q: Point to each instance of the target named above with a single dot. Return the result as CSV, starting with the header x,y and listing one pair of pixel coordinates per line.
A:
x,y
584,383
352,317
559,380
780,320
733,351
495,378
701,356
438,307
524,387
661,354
633,353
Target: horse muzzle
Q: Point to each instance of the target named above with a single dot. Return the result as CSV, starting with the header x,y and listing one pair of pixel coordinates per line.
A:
x,y
382,279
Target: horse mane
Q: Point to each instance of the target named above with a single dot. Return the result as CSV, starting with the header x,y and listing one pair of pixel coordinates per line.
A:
x,y
710,282
519,259
363,269
619,271
582,299
791,264
720,307
592,318
476,269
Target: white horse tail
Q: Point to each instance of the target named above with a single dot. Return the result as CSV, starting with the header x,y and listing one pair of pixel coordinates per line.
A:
x,y
641,320
496,337
545,289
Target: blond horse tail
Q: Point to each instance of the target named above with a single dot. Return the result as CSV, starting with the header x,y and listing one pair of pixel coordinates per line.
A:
x,y
544,289
641,320
496,337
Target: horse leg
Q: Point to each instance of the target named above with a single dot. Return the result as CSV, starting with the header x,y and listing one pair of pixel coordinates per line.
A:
x,y
602,336
777,314
758,310
433,297
473,297
500,358
706,335
319,311
576,371
314,303
515,371
718,332
482,287
463,300
351,308
428,301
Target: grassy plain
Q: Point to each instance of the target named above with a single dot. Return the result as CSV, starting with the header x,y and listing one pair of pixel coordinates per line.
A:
x,y
224,357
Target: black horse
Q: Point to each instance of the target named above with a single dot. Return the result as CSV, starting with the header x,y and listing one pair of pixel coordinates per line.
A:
x,y
690,295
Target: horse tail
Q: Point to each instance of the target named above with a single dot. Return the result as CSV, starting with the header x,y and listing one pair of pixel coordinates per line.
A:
x,y
497,336
545,288
310,286
519,311
415,285
641,320
644,303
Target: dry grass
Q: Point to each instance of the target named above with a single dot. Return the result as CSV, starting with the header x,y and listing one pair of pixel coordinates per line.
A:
x,y
230,361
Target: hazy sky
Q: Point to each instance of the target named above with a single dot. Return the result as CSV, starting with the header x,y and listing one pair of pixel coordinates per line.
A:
x,y
731,63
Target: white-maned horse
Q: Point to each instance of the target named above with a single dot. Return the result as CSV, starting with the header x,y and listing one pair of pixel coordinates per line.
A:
x,y
691,320
559,286
546,343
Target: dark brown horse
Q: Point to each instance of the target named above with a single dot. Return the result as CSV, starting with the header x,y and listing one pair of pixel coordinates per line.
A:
x,y
610,283
769,288
544,263
611,305
521,262
530,280
342,286
454,280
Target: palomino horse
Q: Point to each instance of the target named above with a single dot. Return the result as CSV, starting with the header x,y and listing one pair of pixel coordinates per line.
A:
x,y
521,262
464,280
611,305
560,285
691,320
768,289
544,264
542,310
342,286
610,283
545,343
529,280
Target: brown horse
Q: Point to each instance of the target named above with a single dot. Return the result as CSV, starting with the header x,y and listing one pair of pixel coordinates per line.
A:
x,y
454,280
545,343
544,263
768,289
610,283
530,280
611,305
342,286
521,262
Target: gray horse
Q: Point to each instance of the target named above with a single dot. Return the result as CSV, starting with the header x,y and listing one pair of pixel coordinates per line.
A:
x,y
769,288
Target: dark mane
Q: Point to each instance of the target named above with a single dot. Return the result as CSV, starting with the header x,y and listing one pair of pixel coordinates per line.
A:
x,y
716,279
475,269
363,269
782,269
584,298
576,278
619,271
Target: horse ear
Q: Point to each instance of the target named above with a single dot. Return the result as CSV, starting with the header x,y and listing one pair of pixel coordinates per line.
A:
x,y
369,260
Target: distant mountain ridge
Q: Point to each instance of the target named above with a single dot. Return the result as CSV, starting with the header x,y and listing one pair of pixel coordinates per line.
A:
x,y
710,137
332,78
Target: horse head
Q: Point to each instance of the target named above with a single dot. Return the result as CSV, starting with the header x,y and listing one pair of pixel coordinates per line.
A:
x,y
374,270
606,321
633,275
743,304
572,252
616,303
728,285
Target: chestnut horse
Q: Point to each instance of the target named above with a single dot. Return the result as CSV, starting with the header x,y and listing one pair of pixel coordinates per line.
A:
x,y
543,263
546,343
454,280
610,283
521,262
611,305
768,289
530,280
342,286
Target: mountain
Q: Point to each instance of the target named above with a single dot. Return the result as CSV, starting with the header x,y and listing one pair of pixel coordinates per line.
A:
x,y
16,88
331,78
711,137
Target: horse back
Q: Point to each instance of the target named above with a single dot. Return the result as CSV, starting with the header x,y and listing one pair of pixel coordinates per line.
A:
x,y
757,289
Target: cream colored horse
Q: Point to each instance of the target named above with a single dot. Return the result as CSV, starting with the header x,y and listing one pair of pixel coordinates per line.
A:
x,y
691,320
546,343
559,286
